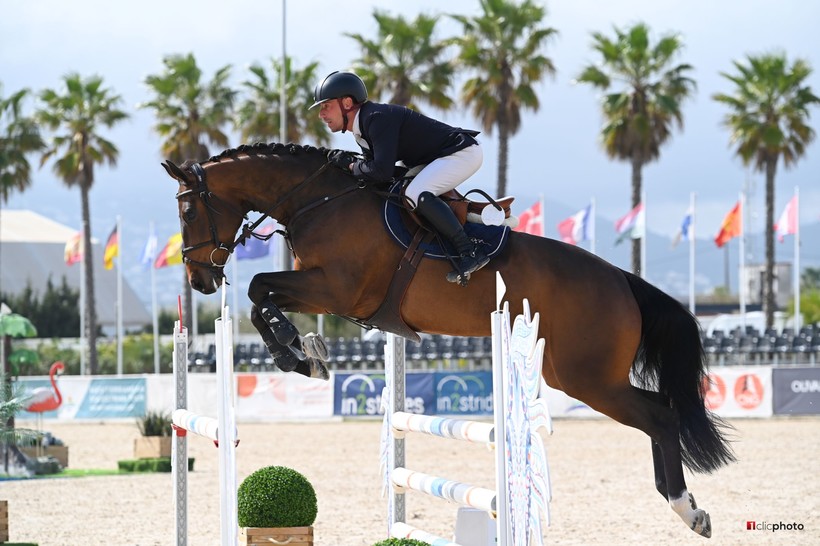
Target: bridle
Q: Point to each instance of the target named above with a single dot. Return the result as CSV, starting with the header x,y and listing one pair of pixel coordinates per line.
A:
x,y
209,199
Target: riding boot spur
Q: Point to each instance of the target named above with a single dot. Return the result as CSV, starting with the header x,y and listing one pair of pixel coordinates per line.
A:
x,y
283,329
471,254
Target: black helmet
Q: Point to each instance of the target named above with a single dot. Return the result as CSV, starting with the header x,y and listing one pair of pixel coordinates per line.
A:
x,y
339,84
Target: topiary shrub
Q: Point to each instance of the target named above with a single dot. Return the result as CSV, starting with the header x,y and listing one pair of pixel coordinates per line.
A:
x,y
276,496
401,542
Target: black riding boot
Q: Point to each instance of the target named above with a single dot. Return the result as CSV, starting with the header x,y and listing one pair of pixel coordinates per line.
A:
x,y
471,253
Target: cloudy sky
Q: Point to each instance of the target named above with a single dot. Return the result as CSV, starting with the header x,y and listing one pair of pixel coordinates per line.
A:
x,y
556,154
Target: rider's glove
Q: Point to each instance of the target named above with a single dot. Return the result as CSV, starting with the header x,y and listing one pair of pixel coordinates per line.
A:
x,y
341,159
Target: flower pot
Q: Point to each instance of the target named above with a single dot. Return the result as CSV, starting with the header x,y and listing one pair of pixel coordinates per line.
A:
x,y
58,452
152,447
292,536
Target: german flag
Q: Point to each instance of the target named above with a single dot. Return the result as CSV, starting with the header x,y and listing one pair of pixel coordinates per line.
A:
x,y
112,248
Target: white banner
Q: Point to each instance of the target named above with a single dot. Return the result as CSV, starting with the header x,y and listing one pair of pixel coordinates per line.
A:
x,y
743,391
282,396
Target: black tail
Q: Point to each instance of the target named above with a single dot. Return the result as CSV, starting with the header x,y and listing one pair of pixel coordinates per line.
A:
x,y
671,359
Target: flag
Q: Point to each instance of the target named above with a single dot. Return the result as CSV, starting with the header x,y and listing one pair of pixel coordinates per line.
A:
x,y
253,247
730,228
685,231
74,249
150,249
787,224
112,248
171,254
577,227
631,225
531,220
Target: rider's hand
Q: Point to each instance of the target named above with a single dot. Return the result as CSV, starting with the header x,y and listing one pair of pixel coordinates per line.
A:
x,y
341,159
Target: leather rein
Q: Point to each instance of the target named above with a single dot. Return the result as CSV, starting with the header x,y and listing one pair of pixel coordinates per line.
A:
x,y
209,199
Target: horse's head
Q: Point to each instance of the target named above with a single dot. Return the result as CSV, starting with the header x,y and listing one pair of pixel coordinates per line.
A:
x,y
209,219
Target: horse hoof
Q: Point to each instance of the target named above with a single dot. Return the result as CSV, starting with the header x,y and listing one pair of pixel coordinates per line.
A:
x,y
702,524
285,333
456,277
315,347
318,370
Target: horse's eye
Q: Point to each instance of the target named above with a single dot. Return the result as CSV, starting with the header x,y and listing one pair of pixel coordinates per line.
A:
x,y
189,214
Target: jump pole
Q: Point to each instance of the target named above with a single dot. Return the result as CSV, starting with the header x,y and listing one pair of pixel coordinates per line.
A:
x,y
222,430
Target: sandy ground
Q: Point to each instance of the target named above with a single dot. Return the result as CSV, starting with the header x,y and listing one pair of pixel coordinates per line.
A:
x,y
602,486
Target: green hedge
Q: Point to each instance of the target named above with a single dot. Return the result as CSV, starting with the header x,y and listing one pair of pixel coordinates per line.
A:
x,y
160,464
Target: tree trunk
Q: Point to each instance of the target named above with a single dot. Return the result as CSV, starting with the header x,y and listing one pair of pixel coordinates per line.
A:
x,y
637,182
769,304
90,300
503,124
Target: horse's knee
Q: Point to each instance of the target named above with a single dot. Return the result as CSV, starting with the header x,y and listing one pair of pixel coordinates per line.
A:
x,y
257,289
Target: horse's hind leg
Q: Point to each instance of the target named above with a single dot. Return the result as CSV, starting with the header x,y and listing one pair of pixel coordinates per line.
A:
x,y
646,412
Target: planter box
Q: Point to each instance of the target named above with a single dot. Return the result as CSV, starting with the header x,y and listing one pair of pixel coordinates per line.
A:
x,y
58,452
292,536
4,521
152,447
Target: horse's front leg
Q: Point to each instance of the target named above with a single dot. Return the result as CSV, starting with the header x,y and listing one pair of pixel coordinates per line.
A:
x,y
302,356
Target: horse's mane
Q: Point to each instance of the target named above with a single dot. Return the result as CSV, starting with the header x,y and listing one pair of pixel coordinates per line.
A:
x,y
273,148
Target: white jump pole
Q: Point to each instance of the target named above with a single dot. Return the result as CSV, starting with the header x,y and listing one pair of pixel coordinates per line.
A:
x,y
179,446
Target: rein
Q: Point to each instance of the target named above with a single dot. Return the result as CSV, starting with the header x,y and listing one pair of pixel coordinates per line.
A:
x,y
247,232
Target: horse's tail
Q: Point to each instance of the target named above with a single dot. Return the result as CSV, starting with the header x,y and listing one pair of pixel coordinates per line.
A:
x,y
671,359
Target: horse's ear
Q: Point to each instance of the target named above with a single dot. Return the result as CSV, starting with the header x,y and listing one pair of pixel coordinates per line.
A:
x,y
175,172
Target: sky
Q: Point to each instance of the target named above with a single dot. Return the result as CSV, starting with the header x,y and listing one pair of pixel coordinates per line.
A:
x,y
556,154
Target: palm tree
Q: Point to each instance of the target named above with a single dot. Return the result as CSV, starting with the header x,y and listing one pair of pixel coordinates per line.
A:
x,y
190,113
640,113
405,63
502,46
258,117
768,114
19,136
75,114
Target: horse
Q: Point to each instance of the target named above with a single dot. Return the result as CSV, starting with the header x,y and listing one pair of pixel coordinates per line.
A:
x,y
613,340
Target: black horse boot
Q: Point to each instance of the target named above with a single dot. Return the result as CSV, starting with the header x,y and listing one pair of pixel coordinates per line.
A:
x,y
471,253
283,329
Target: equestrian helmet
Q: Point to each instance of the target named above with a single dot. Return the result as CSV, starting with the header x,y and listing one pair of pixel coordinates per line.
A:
x,y
337,85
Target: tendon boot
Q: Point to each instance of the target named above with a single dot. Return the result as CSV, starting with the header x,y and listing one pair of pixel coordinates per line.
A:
x,y
471,255
283,329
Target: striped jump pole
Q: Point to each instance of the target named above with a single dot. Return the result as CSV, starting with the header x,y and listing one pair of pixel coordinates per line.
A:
x,y
222,430
522,489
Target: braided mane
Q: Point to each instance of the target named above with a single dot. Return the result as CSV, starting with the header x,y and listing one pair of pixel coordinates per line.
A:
x,y
261,148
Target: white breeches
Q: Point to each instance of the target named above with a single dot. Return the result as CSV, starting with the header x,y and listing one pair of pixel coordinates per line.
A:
x,y
445,173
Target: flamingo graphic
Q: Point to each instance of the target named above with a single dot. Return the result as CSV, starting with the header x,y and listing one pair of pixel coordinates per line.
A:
x,y
42,399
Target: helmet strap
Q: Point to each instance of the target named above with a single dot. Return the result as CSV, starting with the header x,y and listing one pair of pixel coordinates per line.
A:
x,y
345,112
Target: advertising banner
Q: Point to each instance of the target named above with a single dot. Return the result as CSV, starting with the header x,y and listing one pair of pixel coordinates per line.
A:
x,y
360,394
796,391
740,391
464,393
113,399
270,397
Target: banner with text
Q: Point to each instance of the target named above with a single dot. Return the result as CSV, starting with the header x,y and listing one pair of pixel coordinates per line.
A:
x,y
739,391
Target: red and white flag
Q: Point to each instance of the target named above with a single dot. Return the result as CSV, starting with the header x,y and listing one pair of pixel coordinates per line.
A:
x,y
787,224
531,221
577,227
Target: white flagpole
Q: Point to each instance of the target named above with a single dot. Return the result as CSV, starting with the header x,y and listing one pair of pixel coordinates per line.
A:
x,y
119,296
592,227
154,311
797,318
643,238
742,259
543,222
691,235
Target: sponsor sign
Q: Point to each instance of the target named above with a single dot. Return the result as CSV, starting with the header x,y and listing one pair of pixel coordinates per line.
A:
x,y
360,394
113,399
282,396
464,393
796,391
739,391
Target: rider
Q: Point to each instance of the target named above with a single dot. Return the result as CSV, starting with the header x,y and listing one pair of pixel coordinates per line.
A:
x,y
388,133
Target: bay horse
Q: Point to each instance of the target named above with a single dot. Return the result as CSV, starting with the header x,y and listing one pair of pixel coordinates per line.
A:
x,y
613,341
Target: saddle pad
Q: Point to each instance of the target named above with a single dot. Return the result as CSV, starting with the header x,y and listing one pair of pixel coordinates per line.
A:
x,y
494,237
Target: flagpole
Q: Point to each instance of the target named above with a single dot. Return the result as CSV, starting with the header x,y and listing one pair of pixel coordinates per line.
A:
x,y
741,278
592,229
643,238
154,313
692,254
797,318
119,296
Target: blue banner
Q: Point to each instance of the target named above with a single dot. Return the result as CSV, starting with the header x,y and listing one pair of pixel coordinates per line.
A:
x,y
360,394
464,393
113,398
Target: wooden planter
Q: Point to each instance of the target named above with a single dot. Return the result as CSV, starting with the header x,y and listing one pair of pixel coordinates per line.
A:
x,y
292,536
152,447
58,452
4,521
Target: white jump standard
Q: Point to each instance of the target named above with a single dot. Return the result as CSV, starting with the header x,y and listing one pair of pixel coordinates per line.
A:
x,y
221,431
522,490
